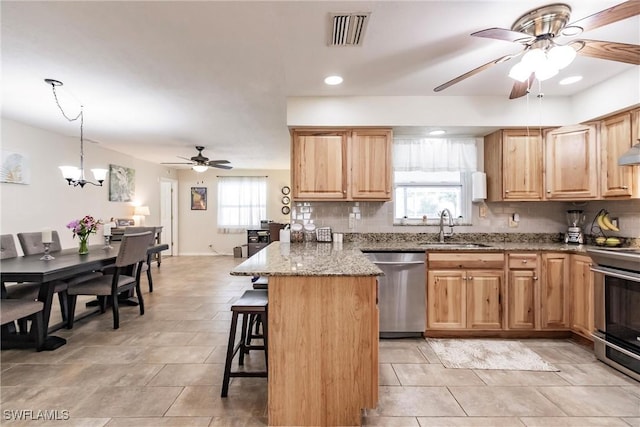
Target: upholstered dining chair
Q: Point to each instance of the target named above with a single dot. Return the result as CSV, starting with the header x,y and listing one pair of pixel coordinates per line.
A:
x,y
31,244
125,277
23,310
146,267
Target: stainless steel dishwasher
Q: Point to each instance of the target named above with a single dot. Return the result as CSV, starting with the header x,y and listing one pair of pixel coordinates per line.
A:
x,y
401,293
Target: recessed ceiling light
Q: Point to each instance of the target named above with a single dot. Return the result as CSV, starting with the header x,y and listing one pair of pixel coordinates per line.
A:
x,y
437,132
570,80
333,80
571,31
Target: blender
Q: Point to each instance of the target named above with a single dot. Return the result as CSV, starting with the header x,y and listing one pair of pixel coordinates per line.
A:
x,y
575,219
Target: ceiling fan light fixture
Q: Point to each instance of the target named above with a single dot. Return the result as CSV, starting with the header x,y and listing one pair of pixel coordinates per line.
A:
x,y
546,70
520,72
200,168
533,57
561,56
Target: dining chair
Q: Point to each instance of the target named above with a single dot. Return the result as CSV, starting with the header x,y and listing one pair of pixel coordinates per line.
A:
x,y
31,244
125,277
23,310
146,267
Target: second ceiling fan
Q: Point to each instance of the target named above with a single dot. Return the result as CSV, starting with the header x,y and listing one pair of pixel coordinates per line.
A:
x,y
200,163
542,56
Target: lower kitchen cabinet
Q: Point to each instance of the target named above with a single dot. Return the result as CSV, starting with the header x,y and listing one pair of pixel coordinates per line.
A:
x,y
461,298
582,280
555,291
522,291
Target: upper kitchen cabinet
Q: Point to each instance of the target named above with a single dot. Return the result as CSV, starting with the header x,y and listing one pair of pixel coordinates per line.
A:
x,y
370,159
318,164
341,164
571,163
615,139
513,164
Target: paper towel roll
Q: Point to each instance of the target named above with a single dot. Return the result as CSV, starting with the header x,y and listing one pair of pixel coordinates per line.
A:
x,y
285,236
478,186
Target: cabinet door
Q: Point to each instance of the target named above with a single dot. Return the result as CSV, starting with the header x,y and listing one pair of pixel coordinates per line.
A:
x,y
370,154
446,299
615,139
571,163
522,164
554,291
521,294
484,302
319,165
582,279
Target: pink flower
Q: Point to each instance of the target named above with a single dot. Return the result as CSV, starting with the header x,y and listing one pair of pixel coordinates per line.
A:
x,y
83,227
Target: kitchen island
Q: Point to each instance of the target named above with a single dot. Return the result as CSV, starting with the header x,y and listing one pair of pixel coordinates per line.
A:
x,y
323,332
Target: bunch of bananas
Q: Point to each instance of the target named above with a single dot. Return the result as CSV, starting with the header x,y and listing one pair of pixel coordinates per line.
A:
x,y
604,222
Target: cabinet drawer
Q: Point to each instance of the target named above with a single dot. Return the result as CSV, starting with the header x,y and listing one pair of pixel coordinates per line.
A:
x,y
465,260
523,261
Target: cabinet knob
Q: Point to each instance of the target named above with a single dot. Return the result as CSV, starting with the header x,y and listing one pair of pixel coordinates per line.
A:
x,y
624,187
470,277
535,277
548,191
524,261
464,278
506,191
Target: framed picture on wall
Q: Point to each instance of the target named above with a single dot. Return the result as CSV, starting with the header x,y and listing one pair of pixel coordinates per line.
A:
x,y
122,183
198,198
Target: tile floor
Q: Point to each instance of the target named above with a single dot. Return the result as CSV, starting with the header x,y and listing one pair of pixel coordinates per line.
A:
x,y
165,369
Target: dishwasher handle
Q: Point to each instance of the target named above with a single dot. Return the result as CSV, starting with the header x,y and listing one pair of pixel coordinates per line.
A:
x,y
398,262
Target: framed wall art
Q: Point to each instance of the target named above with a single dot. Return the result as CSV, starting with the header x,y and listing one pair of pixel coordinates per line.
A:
x,y
14,168
122,183
198,198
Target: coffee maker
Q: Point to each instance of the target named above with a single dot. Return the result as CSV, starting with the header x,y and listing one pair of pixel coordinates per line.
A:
x,y
575,219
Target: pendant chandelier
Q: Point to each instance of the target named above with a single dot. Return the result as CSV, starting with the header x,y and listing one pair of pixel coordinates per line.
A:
x,y
75,176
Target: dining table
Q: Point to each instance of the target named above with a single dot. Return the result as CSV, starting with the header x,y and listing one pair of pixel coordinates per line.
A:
x,y
65,264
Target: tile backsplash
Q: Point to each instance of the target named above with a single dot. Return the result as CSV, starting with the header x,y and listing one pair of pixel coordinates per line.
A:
x,y
533,217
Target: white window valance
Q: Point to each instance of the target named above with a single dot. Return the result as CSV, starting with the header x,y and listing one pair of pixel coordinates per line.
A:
x,y
435,154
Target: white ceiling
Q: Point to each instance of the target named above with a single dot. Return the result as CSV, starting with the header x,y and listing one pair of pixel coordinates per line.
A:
x,y
158,78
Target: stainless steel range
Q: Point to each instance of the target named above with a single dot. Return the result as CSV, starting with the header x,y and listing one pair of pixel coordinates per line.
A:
x,y
617,308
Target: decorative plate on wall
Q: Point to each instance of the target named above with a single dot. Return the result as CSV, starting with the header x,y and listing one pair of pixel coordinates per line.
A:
x,y
286,190
286,210
286,200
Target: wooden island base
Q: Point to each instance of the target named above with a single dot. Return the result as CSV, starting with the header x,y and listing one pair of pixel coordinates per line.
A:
x,y
323,349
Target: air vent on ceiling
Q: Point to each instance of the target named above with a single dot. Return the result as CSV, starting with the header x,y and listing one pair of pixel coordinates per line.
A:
x,y
347,29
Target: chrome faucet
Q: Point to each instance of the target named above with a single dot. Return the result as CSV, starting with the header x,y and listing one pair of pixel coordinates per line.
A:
x,y
442,233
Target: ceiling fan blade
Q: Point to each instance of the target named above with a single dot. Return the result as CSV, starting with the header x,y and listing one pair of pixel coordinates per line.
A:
x,y
520,89
475,71
178,163
221,166
620,52
613,14
211,162
504,34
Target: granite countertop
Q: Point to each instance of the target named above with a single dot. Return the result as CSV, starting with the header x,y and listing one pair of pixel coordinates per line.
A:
x,y
346,259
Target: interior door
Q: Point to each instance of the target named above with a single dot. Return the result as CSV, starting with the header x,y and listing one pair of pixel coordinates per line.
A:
x,y
169,214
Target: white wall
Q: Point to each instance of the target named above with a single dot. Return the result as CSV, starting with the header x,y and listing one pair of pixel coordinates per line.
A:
x,y
198,230
49,202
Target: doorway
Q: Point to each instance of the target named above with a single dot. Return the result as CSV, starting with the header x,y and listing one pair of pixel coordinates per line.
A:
x,y
169,214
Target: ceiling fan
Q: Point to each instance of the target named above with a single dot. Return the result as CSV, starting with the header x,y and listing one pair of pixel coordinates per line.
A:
x,y
201,163
542,56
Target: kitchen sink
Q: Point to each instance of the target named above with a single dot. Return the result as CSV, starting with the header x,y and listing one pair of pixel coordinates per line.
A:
x,y
453,245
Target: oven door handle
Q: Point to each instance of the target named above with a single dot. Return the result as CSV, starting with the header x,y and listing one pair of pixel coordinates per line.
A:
x,y
614,273
615,347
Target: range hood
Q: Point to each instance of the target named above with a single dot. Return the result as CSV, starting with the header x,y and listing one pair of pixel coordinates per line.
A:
x,y
631,157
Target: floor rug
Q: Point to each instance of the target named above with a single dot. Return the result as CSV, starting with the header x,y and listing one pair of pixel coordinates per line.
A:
x,y
488,354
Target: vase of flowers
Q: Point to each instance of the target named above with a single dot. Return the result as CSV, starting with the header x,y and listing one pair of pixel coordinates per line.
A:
x,y
82,228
